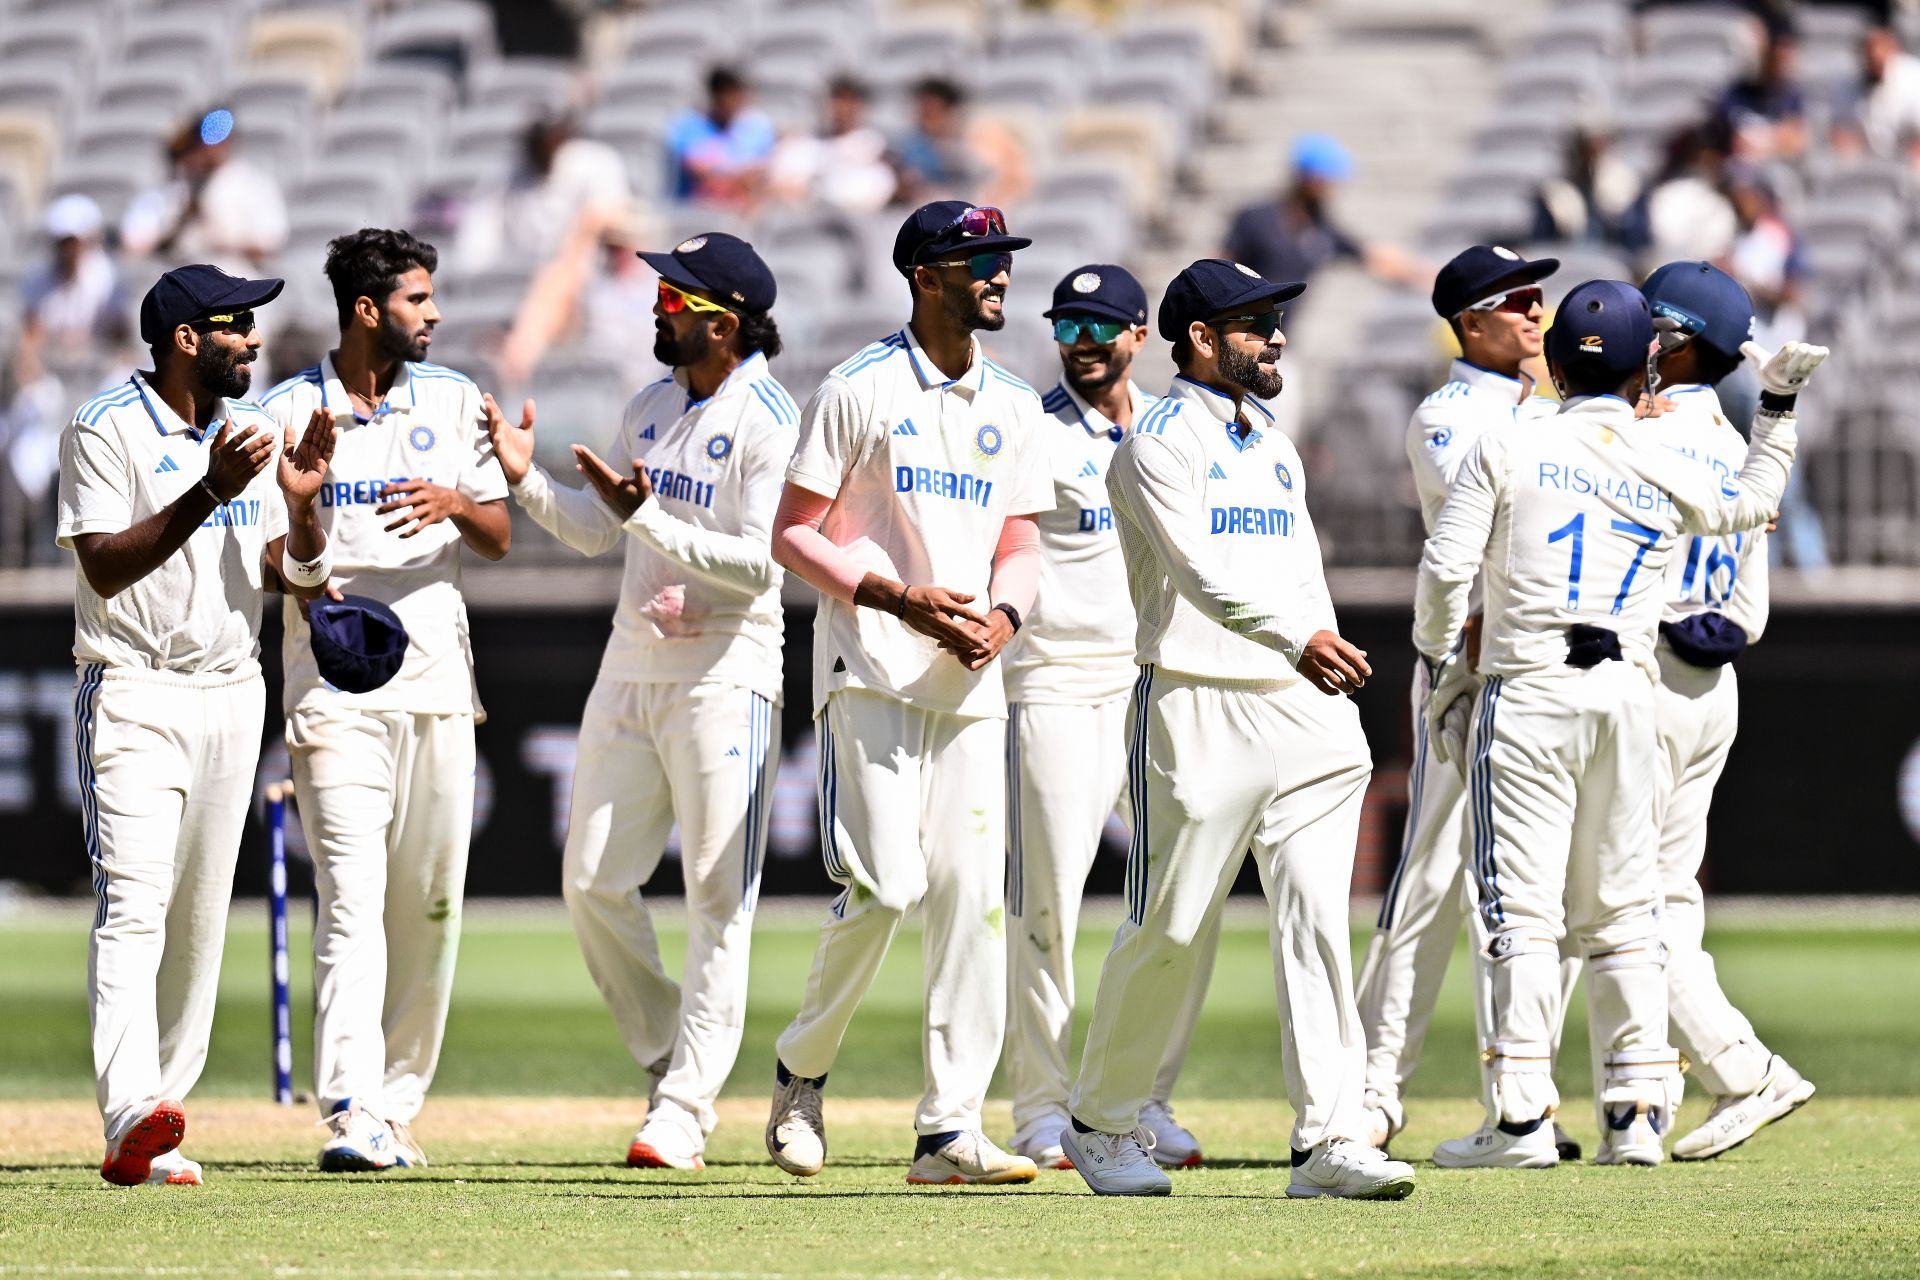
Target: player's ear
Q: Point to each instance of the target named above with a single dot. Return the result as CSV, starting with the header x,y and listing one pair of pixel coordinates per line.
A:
x,y
366,311
186,340
1201,338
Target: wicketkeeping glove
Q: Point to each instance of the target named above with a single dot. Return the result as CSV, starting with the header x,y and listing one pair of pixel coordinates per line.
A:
x,y
1448,707
1784,372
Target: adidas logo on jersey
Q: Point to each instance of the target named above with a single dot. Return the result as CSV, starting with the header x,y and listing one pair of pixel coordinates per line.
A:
x,y
648,433
906,429
166,464
732,752
1215,472
1089,469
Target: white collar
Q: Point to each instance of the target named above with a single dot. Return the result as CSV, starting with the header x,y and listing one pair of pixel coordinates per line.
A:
x,y
1481,378
334,397
745,374
169,423
968,383
1094,422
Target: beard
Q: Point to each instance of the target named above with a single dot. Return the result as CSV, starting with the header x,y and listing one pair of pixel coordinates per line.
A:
x,y
1243,371
398,342
1090,386
676,352
968,310
224,372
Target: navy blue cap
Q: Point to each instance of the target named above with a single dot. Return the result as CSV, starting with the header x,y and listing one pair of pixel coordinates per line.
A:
x,y
1215,287
1603,329
1100,290
724,268
1709,304
1477,272
931,233
358,643
185,294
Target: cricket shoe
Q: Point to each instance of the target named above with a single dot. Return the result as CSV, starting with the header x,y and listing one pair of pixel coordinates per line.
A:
x,y
1039,1141
1349,1170
358,1142
1115,1164
966,1158
665,1144
404,1142
1734,1119
174,1170
1498,1147
1632,1134
796,1133
1564,1143
1173,1146
142,1136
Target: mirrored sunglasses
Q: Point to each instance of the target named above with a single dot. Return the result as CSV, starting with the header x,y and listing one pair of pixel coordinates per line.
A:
x,y
673,301
1519,301
984,220
981,266
1263,324
1068,330
240,322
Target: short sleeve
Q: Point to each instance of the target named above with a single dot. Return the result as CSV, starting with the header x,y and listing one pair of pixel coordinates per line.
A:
x,y
94,482
1033,486
831,427
481,478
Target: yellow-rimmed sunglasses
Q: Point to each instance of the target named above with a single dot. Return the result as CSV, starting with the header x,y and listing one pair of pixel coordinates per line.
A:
x,y
673,301
241,322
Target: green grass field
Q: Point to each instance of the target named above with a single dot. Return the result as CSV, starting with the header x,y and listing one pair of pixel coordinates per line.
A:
x,y
536,1100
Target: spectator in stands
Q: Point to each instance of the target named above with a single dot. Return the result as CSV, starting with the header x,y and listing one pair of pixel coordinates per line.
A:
x,y
1292,237
720,153
561,179
214,208
1884,117
74,305
1594,201
1766,112
844,166
1685,208
1765,257
944,152
597,294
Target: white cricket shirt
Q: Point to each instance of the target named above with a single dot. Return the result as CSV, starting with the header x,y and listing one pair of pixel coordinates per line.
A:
x,y
1223,566
700,594
127,455
923,471
429,427
1076,643
1722,573
1450,421
1574,520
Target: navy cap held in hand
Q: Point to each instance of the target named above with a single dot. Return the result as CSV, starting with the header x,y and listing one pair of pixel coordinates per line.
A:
x,y
1102,291
358,643
719,266
1708,304
190,293
934,232
1215,287
1481,271
1601,333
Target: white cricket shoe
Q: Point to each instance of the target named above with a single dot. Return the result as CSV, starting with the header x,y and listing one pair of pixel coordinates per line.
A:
x,y
1734,1119
1039,1141
1173,1145
1631,1134
664,1143
1494,1148
174,1170
970,1158
408,1147
359,1141
1115,1164
1350,1170
796,1133
147,1133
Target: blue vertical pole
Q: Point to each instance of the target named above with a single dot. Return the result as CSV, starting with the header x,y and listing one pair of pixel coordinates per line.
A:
x,y
277,907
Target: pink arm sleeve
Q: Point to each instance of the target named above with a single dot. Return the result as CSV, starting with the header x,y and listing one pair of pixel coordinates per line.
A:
x,y
1016,564
799,545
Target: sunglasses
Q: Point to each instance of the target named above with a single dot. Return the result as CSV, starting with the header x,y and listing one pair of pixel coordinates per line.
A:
x,y
1518,301
1068,330
1264,325
981,266
241,322
673,301
984,220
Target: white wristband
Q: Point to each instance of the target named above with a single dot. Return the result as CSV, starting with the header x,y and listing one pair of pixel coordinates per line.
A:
x,y
310,573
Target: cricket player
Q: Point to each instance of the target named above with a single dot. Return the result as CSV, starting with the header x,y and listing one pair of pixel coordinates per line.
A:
x,y
1067,676
1572,523
1716,606
176,505
684,719
911,504
384,778
1240,738
1492,300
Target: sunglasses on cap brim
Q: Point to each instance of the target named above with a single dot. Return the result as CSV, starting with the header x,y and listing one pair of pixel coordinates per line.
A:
x,y
1068,330
1263,324
240,322
673,301
982,220
1519,301
981,266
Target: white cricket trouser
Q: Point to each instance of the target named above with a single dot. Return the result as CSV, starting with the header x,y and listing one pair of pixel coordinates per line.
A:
x,y
1066,764
910,805
704,754
1560,810
1697,711
1213,773
1430,895
166,766
386,802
